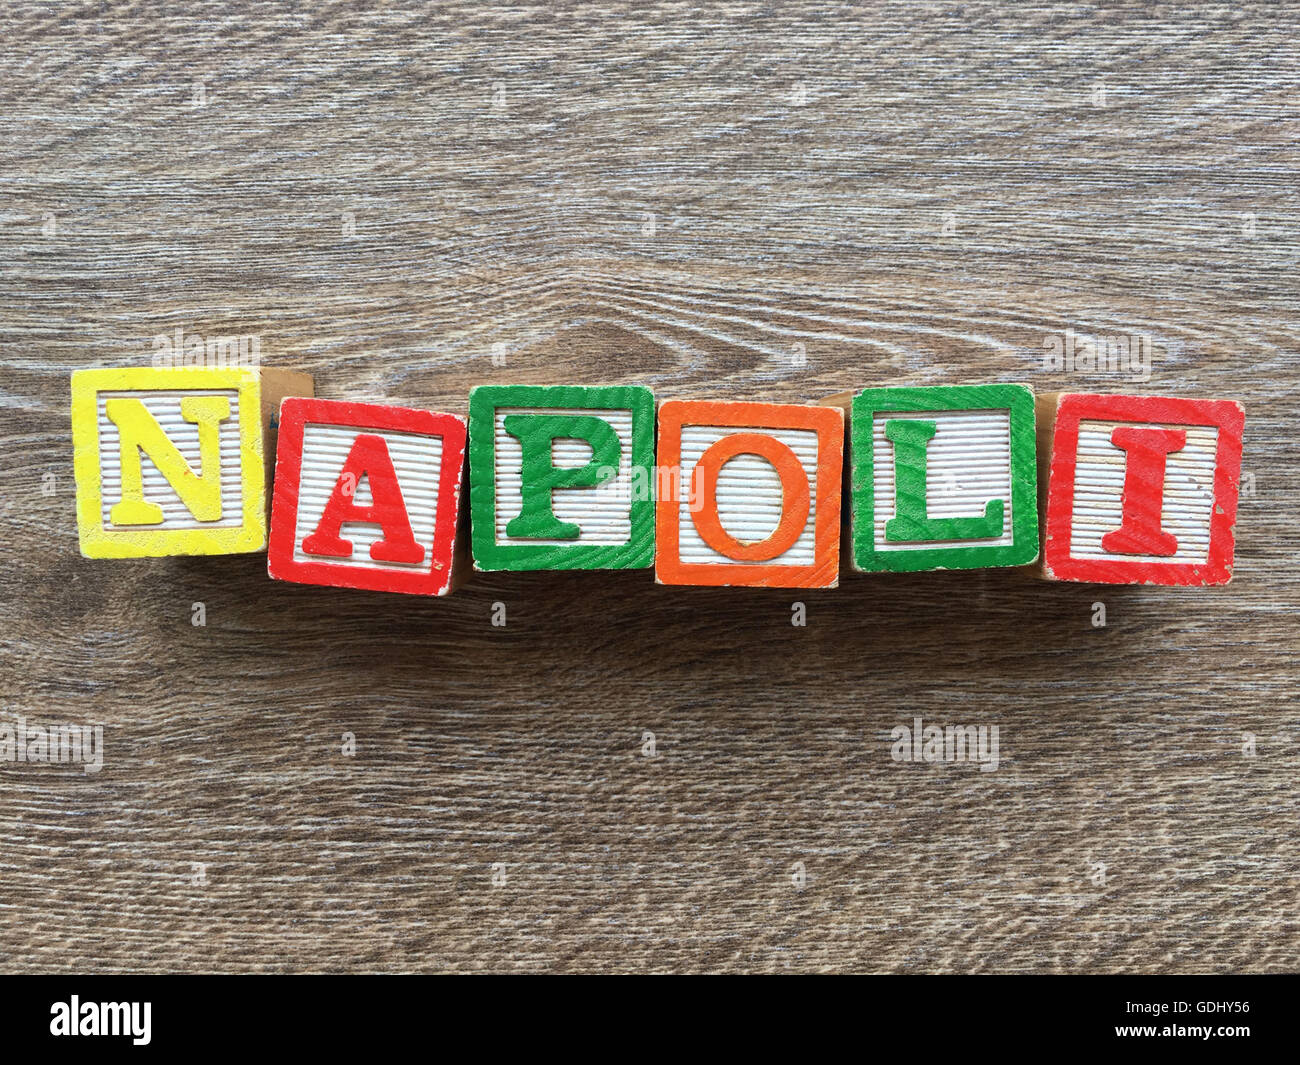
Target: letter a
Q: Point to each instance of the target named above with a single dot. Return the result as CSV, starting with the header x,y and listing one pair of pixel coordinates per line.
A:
x,y
368,458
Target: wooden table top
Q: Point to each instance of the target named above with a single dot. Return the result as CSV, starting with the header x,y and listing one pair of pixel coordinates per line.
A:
x,y
752,201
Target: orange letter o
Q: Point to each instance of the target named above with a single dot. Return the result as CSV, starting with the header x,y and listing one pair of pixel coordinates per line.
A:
x,y
795,502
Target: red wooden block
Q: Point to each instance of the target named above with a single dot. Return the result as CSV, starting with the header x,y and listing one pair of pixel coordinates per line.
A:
x,y
367,496
1139,489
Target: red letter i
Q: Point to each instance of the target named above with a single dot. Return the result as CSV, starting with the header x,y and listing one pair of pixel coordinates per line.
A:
x,y
1144,491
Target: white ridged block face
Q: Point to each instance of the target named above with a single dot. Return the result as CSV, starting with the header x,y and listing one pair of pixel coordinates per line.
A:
x,y
1099,492
417,462
749,495
165,406
968,463
602,513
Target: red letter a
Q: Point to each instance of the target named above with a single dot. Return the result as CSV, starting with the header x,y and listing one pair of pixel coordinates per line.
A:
x,y
368,458
1144,491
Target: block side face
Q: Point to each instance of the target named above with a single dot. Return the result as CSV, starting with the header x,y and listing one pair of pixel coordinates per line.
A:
x,y
275,385
614,520
1045,408
1195,481
776,446
959,449
168,462
395,472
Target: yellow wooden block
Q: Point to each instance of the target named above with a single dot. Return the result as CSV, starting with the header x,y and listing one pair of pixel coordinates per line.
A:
x,y
175,461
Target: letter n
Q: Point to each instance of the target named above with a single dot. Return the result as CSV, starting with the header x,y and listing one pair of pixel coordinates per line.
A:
x,y
139,432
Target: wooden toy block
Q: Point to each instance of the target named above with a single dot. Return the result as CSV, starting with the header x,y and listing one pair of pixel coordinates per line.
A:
x,y
1139,489
367,496
749,494
175,461
942,477
560,477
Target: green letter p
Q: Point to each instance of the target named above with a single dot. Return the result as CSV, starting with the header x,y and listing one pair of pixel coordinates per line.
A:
x,y
540,476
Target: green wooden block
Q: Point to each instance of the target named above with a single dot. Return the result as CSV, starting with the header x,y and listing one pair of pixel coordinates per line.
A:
x,y
560,477
943,478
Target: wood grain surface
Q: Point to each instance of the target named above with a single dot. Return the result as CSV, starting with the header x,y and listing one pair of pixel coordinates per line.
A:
x,y
749,201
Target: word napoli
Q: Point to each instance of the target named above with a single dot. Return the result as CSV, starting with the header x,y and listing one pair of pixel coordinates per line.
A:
x,y
1109,488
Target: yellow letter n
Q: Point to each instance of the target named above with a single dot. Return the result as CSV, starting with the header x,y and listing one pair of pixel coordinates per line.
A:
x,y
139,431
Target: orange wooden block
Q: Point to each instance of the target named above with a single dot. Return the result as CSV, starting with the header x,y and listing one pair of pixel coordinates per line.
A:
x,y
748,494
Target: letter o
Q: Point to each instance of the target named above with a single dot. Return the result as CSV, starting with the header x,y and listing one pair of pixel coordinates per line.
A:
x,y
795,501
